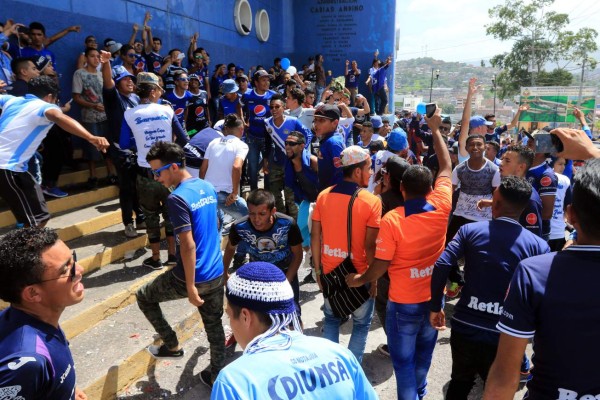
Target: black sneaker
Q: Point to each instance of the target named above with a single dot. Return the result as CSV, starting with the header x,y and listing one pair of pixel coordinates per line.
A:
x,y
172,260
152,263
206,378
383,349
163,352
309,278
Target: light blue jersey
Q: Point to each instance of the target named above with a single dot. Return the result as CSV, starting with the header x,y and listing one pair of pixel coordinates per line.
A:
x,y
312,368
280,133
23,126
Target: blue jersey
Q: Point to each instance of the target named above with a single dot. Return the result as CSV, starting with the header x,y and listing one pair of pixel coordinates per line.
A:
x,y
35,359
293,182
280,133
311,368
227,106
28,52
378,78
140,63
553,298
330,171
23,126
531,217
256,107
543,179
179,104
192,207
197,112
273,246
154,62
492,251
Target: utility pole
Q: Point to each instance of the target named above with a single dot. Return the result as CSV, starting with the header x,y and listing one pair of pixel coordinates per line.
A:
x,y
581,84
437,75
494,89
532,56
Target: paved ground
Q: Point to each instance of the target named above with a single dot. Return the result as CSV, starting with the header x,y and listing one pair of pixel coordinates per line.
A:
x,y
179,379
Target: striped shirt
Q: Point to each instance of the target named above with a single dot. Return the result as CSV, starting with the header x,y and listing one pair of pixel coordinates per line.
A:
x,y
23,126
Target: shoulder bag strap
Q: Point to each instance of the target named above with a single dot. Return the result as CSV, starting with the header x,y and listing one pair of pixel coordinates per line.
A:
x,y
349,224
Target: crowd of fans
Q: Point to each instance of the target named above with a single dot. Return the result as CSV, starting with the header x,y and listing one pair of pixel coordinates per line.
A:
x,y
432,210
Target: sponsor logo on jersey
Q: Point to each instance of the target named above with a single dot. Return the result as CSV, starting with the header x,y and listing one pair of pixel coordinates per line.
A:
x,y
156,65
199,111
179,111
531,218
139,65
566,394
490,308
22,361
337,162
260,110
546,181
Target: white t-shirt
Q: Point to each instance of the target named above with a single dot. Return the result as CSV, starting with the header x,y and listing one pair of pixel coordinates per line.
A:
x,y
475,185
379,159
221,153
557,223
149,123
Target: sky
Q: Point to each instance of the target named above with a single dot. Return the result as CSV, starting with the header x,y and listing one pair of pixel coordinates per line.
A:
x,y
455,30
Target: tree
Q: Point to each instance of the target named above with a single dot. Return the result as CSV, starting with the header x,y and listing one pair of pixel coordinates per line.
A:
x,y
541,37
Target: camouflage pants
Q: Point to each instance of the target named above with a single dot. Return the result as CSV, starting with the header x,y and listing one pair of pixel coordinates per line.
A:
x,y
167,287
153,202
276,185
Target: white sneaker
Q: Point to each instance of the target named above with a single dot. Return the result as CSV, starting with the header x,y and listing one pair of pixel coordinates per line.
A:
x,y
130,231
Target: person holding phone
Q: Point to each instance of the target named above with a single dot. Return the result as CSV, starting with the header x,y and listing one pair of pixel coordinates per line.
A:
x,y
172,64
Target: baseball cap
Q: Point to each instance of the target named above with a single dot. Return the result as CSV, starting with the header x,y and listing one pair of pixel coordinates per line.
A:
x,y
376,121
147,78
41,62
477,120
194,76
113,46
353,155
397,140
229,86
119,72
446,119
261,72
241,77
327,111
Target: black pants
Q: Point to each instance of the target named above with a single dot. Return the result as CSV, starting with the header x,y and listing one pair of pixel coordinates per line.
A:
x,y
381,101
383,287
469,359
556,244
128,196
55,150
456,275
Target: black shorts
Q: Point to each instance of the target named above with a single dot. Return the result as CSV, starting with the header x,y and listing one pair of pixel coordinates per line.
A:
x,y
24,197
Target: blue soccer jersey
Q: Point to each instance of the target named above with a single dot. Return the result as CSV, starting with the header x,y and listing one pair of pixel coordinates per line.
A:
x,y
543,179
280,133
192,207
531,217
35,359
256,107
154,62
179,104
553,298
330,171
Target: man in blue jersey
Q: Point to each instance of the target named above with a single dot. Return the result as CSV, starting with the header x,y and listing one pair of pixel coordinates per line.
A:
x,y
553,300
198,274
331,145
255,106
279,127
492,250
197,116
25,121
262,312
180,96
229,100
40,278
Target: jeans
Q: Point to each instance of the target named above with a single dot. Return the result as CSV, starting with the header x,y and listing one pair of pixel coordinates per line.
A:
x,y
411,340
228,214
361,322
277,186
318,93
303,211
256,148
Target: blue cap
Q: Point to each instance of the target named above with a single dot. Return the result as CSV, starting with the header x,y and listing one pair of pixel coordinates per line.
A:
x,y
229,86
397,140
119,72
477,120
376,121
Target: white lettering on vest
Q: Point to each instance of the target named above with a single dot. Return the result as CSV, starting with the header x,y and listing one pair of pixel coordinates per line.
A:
x,y
565,394
334,252
416,273
490,308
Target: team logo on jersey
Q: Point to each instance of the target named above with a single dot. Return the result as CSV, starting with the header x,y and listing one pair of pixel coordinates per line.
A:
x,y
269,130
156,65
199,111
266,245
260,110
546,181
179,111
531,219
337,162
139,65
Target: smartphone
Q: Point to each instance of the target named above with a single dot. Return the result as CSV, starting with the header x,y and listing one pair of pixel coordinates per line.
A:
x,y
547,143
430,109
180,56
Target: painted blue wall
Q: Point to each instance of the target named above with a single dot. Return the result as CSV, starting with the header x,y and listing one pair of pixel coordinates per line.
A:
x,y
296,29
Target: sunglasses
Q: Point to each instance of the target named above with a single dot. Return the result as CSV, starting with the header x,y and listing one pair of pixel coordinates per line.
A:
x,y
156,172
72,271
131,55
198,57
288,143
183,79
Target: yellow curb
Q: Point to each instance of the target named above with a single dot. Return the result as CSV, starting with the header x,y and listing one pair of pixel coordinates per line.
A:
x,y
90,226
79,176
90,317
118,377
67,203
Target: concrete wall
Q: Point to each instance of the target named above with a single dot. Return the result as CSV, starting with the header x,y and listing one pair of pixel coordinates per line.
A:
x,y
297,28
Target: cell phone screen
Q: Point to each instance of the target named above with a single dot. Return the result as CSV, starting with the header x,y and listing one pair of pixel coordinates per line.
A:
x,y
430,109
543,143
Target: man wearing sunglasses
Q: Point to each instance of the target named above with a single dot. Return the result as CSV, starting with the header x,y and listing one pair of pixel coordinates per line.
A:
x,y
40,278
